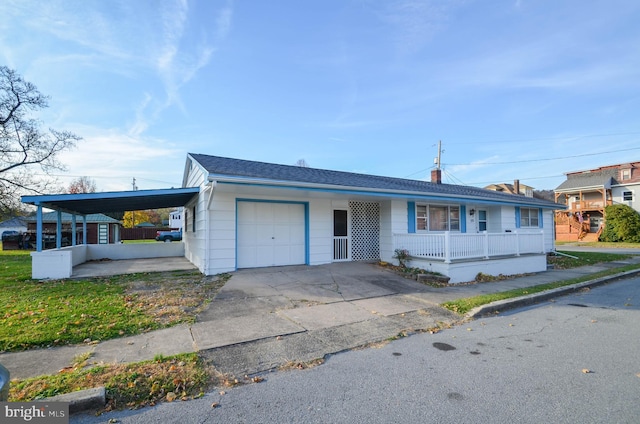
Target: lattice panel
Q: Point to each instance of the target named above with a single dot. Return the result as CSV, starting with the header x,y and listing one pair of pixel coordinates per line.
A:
x,y
365,231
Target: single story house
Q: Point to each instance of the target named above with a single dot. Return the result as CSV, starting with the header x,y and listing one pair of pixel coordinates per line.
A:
x,y
100,229
245,214
254,214
18,224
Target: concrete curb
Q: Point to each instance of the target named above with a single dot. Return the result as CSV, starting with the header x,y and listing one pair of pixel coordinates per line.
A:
x,y
517,302
82,400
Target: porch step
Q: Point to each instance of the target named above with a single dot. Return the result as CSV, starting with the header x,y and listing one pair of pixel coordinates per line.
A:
x,y
590,237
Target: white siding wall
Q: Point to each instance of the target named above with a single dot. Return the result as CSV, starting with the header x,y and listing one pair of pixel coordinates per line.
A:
x,y
616,193
194,242
393,219
320,231
222,233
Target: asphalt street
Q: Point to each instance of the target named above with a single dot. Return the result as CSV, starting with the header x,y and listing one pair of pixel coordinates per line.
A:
x,y
568,360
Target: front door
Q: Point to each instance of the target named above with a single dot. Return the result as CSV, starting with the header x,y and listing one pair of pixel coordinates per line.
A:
x,y
340,235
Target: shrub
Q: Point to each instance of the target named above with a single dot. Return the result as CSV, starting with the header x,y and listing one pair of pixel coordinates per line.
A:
x,y
623,224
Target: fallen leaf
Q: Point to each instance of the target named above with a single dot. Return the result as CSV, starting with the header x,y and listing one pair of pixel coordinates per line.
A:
x,y
171,397
586,371
469,329
215,405
594,320
222,393
510,325
257,379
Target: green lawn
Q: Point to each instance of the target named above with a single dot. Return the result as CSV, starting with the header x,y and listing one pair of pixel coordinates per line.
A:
x,y
462,306
47,313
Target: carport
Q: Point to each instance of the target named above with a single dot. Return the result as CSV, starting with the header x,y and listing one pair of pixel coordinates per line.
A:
x,y
58,263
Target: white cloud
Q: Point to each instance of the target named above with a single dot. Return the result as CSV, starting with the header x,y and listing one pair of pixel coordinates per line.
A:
x,y
113,158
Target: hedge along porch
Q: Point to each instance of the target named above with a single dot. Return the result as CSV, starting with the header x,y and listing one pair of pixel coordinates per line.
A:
x,y
254,214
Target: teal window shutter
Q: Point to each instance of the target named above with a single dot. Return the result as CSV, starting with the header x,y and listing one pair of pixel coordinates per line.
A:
x,y
463,219
540,215
411,217
517,216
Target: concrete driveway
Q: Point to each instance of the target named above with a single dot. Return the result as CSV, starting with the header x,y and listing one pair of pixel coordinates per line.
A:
x,y
131,266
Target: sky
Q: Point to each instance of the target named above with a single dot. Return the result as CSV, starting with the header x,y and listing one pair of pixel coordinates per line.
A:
x,y
516,89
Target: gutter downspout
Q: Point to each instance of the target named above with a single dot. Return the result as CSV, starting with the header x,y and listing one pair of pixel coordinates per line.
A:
x,y
207,240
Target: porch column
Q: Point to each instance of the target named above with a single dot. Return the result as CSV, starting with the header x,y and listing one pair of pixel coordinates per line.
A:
x,y
39,228
447,247
84,229
73,230
486,244
59,230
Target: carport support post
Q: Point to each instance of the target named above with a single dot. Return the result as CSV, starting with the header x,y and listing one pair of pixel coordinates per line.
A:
x,y
59,230
73,230
39,228
84,229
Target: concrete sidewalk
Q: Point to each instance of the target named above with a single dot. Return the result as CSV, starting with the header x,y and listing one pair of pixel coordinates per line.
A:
x,y
266,318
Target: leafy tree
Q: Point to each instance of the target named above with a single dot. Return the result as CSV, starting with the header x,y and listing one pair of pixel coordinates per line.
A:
x,y
623,224
82,185
23,143
133,218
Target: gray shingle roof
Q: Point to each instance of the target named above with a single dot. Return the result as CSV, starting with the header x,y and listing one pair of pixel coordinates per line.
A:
x,y
604,178
268,171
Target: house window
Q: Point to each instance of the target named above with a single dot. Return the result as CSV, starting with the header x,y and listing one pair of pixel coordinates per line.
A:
x,y
529,217
482,220
194,219
437,218
625,174
627,195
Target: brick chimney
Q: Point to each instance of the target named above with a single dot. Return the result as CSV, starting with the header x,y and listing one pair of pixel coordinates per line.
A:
x,y
436,176
516,186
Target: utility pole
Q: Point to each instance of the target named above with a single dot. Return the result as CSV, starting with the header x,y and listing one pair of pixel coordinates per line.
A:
x,y
439,158
133,213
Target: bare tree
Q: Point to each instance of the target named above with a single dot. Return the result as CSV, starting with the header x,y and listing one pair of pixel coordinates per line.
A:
x,y
82,185
23,143
302,163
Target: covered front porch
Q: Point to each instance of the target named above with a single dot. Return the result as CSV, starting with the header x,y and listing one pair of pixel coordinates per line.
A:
x,y
461,256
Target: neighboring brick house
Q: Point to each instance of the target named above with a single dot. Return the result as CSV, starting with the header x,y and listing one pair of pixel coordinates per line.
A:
x,y
587,193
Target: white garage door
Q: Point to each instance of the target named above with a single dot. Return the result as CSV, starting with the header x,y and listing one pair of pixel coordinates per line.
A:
x,y
270,234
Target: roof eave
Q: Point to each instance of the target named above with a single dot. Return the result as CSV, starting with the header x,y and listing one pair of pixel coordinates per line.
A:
x,y
405,193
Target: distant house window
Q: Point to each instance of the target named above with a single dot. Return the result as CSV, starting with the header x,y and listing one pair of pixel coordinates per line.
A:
x,y
627,195
437,218
194,219
625,174
529,217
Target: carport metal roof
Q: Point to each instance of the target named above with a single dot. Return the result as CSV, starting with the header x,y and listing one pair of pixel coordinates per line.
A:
x,y
115,201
